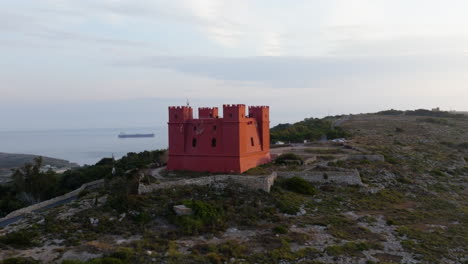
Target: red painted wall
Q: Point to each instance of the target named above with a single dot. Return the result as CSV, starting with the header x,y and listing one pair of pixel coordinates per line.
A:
x,y
235,142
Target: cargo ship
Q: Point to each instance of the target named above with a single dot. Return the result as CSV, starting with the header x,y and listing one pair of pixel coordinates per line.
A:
x,y
124,135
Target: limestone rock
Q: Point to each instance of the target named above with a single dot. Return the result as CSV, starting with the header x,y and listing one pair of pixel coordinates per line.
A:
x,y
182,210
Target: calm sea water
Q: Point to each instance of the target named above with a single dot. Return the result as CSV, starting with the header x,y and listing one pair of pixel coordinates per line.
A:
x,y
83,146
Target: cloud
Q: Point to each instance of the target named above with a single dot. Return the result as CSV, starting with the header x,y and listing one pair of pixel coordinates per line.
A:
x,y
302,72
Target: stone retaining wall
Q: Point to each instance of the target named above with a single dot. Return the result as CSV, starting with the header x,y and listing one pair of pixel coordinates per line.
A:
x,y
349,177
263,183
38,206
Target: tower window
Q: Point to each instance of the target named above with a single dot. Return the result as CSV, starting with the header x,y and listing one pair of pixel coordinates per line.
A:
x,y
230,115
251,141
194,142
194,128
214,128
213,142
211,115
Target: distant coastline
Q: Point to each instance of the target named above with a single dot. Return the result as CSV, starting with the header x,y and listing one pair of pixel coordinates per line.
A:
x,y
10,161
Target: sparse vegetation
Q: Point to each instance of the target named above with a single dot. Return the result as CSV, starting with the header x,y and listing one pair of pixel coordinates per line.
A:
x,y
308,129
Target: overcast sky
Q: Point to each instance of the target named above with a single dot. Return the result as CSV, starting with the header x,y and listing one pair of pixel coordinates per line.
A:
x,y
117,63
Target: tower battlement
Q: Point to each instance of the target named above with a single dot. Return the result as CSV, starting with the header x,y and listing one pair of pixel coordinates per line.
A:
x,y
180,113
208,112
233,112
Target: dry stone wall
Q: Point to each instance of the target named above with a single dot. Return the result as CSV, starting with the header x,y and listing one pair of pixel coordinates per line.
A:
x,y
348,177
263,183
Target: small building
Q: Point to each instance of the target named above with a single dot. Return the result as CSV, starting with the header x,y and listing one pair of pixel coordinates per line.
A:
x,y
235,142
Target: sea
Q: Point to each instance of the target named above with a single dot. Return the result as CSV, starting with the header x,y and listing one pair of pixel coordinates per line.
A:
x,y
82,146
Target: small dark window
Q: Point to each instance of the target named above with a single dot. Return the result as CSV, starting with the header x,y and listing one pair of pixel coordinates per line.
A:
x,y
230,115
194,128
194,142
214,128
213,142
251,141
211,115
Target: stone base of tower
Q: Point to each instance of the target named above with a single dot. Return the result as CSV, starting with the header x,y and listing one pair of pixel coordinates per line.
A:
x,y
217,164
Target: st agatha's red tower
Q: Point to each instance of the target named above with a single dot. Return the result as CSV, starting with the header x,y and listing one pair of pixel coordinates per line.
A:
x,y
235,142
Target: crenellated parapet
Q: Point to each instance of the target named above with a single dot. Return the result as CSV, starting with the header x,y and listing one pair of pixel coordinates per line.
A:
x,y
233,112
260,113
180,113
208,112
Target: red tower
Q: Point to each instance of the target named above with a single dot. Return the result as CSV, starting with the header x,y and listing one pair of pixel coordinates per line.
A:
x,y
232,143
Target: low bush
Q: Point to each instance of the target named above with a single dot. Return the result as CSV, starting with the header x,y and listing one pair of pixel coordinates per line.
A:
x,y
298,185
205,217
19,239
288,202
280,229
288,158
19,261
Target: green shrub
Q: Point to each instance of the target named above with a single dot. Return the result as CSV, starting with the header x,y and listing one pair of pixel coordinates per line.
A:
x,y
437,173
106,260
288,158
439,121
280,229
123,253
288,202
391,159
19,239
308,129
19,261
299,185
205,217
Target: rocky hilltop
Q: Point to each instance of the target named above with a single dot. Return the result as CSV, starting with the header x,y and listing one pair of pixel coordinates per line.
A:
x,y
394,191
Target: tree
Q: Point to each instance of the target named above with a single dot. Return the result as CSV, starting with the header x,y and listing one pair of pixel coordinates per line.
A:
x,y
34,185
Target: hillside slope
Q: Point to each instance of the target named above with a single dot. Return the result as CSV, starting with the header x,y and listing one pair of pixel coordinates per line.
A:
x,y
411,208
